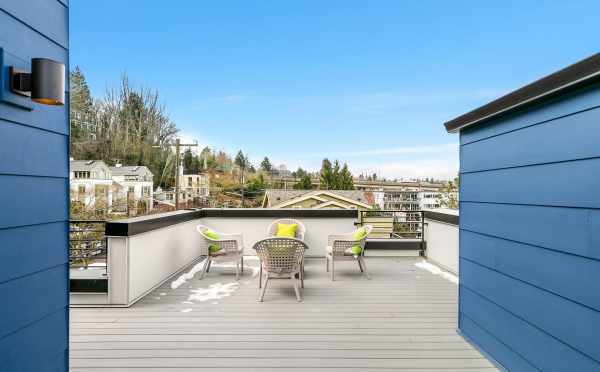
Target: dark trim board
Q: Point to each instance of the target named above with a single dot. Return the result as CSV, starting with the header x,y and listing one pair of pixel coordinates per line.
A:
x,y
138,225
88,285
395,244
575,76
442,217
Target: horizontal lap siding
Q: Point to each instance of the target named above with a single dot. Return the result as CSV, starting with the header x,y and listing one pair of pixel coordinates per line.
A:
x,y
34,176
530,236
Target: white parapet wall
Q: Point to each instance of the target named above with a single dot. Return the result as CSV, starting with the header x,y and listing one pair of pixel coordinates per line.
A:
x,y
151,258
441,236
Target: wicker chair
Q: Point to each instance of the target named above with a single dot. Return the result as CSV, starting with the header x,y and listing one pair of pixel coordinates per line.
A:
x,y
281,258
339,248
300,232
232,249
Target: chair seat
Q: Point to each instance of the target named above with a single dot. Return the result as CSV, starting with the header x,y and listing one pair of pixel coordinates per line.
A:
x,y
347,252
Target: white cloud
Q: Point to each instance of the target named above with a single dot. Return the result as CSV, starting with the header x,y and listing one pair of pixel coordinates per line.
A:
x,y
447,148
444,168
438,161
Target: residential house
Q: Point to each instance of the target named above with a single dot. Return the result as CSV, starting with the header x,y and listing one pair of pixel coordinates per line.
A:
x,y
318,199
90,184
133,181
193,187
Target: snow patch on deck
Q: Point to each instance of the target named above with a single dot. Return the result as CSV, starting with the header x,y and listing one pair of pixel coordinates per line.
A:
x,y
435,270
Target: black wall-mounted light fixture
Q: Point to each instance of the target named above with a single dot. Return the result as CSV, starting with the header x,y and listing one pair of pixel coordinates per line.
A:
x,y
45,84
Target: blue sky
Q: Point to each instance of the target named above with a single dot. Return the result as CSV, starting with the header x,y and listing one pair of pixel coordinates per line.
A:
x,y
367,82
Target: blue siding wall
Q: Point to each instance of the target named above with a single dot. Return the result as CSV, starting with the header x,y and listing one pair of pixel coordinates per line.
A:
x,y
530,236
34,176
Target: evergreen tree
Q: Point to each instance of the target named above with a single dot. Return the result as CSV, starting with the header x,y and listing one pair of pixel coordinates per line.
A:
x,y
266,165
81,106
346,181
299,173
304,184
326,175
188,162
335,183
242,163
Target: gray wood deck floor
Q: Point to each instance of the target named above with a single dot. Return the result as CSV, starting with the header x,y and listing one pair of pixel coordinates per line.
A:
x,y
404,318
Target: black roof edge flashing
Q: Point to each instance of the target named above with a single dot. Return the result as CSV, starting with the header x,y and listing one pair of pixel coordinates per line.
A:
x,y
577,75
138,225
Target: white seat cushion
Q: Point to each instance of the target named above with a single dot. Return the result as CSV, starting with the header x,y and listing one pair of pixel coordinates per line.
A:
x,y
347,252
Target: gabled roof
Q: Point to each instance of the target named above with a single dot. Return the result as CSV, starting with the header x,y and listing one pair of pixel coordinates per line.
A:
x,y
283,198
137,170
86,165
580,74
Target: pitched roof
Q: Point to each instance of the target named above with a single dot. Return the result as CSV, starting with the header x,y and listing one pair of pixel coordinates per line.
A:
x,y
138,170
276,197
85,165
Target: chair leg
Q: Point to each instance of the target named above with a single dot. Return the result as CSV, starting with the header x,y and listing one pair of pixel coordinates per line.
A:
x,y
237,270
327,263
296,289
260,275
204,268
208,267
332,269
242,259
359,264
364,266
302,273
264,288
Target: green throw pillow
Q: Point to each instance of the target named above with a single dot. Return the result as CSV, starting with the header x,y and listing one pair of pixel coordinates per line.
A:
x,y
359,234
285,230
213,248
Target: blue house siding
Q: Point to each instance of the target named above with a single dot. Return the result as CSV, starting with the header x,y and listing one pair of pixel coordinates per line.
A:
x,y
530,235
34,176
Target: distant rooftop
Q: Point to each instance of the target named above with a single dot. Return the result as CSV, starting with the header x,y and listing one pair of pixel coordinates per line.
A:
x,y
85,165
130,170
276,197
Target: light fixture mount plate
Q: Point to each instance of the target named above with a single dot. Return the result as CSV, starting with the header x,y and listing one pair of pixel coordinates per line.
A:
x,y
7,95
20,81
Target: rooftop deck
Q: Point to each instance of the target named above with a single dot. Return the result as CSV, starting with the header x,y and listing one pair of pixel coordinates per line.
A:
x,y
403,318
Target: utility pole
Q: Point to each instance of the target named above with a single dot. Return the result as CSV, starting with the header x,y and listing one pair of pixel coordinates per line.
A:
x,y
178,146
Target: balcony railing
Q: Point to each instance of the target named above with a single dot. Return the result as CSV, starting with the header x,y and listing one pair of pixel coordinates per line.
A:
x,y
88,250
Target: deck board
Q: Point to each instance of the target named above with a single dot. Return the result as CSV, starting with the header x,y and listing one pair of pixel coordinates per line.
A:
x,y
404,318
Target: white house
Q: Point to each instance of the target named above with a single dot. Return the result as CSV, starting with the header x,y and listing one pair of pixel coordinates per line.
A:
x,y
137,180
90,184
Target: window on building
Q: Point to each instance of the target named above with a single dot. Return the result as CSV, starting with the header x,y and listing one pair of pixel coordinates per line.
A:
x,y
131,189
81,189
146,191
189,181
82,174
